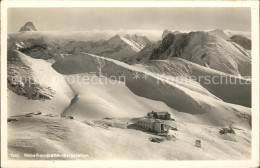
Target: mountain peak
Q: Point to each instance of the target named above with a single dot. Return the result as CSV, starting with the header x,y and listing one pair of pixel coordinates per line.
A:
x,y
116,41
115,37
165,33
28,27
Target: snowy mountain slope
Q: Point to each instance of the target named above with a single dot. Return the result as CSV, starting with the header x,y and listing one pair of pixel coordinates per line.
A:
x,y
242,49
176,96
108,98
89,96
104,114
39,82
229,88
65,91
203,49
100,98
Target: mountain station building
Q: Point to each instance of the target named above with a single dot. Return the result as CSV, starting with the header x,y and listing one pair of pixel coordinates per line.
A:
x,y
152,125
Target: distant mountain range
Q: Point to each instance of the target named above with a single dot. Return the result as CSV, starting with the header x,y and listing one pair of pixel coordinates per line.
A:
x,y
225,51
117,47
204,48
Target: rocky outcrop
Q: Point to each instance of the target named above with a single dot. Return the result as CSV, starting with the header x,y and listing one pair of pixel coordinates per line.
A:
x,y
28,27
166,32
176,42
242,41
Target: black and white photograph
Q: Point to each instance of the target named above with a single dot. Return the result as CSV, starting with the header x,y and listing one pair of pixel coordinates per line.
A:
x,y
130,83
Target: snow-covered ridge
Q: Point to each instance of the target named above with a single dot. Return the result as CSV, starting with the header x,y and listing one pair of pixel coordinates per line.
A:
x,y
201,117
219,33
136,42
239,93
22,78
154,87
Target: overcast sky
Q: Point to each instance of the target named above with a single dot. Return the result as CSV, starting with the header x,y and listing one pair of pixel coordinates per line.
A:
x,y
79,19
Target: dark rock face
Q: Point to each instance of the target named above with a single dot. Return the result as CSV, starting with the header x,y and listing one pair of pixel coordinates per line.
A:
x,y
242,41
166,32
28,27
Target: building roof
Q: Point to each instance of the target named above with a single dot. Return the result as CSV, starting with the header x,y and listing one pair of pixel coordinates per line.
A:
x,y
162,113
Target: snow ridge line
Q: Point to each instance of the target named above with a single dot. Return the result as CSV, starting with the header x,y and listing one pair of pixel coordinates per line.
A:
x,y
177,89
73,100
